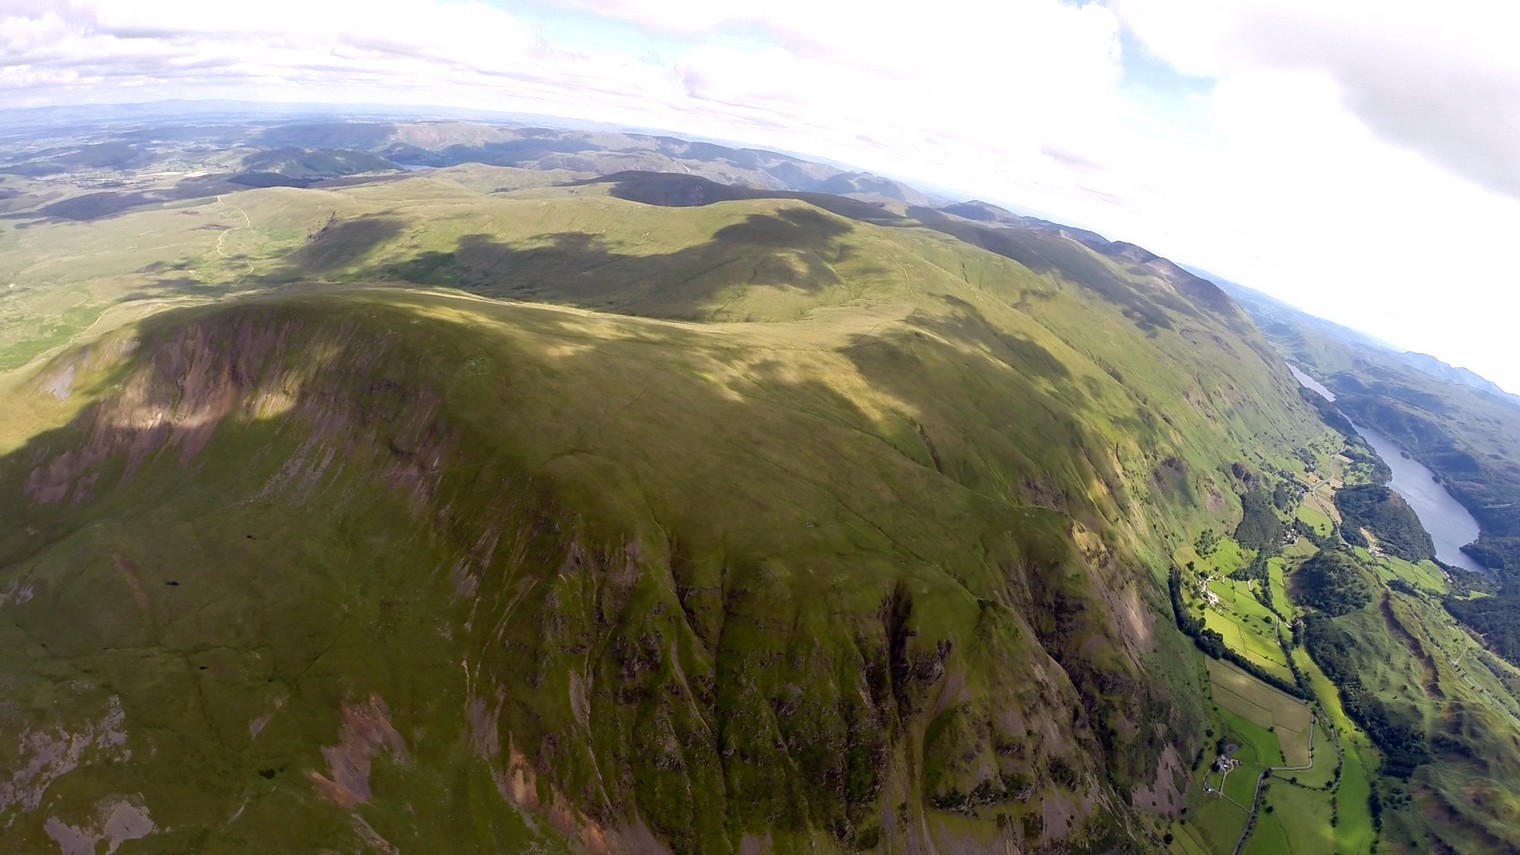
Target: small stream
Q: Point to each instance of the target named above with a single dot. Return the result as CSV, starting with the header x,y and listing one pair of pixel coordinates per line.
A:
x,y
1449,524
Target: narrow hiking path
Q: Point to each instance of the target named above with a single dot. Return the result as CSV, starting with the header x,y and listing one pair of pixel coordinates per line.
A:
x,y
221,240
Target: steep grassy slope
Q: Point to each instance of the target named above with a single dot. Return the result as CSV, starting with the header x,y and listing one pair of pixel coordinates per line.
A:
x,y
759,524
1443,713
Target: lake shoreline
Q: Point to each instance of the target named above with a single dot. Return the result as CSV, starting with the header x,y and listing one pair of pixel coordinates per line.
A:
x,y
1450,524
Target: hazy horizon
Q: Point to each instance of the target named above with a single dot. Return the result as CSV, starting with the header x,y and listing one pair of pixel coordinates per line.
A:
x,y
1271,142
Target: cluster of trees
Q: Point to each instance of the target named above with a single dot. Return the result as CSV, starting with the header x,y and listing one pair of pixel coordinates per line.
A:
x,y
1386,515
1332,582
1260,528
1311,534
1207,542
1498,553
1465,583
1286,494
1404,748
1299,677
1256,571
1259,571
1404,587
1361,454
1496,618
1212,642
1327,412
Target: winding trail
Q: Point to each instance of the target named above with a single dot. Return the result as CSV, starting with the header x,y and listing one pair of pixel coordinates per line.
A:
x,y
221,239
1261,781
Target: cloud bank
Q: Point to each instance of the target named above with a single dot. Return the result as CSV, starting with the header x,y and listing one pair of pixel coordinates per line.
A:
x,y
1440,79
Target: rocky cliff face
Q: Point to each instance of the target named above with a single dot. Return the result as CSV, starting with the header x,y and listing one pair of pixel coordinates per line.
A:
x,y
614,680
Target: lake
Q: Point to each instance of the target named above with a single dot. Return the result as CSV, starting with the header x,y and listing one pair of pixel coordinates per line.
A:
x,y
1310,382
1449,524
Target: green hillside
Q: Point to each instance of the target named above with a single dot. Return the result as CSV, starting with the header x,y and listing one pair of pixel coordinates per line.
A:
x,y
315,164
562,505
408,512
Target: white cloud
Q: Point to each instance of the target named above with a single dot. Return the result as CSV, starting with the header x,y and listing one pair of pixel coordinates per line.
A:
x,y
1364,162
1442,79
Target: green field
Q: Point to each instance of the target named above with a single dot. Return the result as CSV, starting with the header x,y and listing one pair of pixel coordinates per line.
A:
x,y
1269,837
1247,625
1265,707
1299,550
1225,558
1353,831
1186,840
1258,746
1312,515
1240,784
1425,575
1322,773
1303,817
1217,824
1276,577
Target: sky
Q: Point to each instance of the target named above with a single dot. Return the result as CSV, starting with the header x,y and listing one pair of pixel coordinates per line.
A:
x,y
1359,159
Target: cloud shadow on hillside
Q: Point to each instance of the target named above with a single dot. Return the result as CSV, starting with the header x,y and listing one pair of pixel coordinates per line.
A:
x,y
340,244
793,248
105,204
967,325
1150,310
1045,253
674,190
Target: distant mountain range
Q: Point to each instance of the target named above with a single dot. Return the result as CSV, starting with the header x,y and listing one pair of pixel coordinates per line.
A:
x,y
1273,314
291,152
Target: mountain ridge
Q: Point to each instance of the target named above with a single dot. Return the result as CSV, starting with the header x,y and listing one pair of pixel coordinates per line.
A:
x,y
1268,306
491,508
670,559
